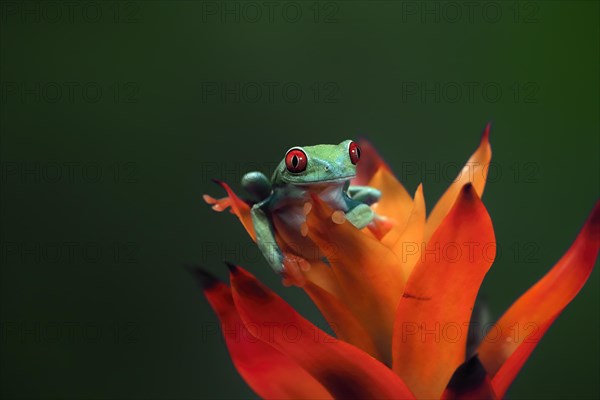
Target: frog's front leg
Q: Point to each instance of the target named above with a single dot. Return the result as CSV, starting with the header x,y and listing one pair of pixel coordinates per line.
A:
x,y
288,265
364,194
265,237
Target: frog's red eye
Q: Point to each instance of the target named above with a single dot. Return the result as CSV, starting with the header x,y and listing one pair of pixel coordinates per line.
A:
x,y
354,151
295,160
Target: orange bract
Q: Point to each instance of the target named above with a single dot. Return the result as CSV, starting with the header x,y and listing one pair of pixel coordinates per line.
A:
x,y
390,293
440,295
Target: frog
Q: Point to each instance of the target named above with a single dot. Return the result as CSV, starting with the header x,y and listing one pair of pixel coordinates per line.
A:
x,y
283,202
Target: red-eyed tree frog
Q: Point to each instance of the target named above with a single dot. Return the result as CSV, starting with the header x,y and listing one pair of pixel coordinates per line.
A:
x,y
284,201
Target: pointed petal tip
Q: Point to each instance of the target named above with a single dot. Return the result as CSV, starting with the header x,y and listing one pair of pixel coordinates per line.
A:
x,y
468,192
419,193
468,375
592,224
595,215
203,278
218,181
234,269
485,137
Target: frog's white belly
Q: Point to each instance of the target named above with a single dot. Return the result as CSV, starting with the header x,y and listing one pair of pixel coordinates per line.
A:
x,y
288,215
291,207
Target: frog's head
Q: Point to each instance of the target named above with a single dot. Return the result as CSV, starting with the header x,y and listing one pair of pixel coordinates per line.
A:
x,y
320,164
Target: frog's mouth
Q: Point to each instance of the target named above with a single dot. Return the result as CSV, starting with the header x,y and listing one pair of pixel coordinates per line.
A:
x,y
321,181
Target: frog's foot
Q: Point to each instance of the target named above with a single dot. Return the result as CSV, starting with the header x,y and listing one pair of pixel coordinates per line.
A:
x,y
218,204
360,216
293,268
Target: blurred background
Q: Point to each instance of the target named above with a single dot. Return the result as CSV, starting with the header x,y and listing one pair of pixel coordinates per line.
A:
x,y
116,115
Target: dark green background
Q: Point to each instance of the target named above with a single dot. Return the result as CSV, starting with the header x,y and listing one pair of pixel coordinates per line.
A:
x,y
84,323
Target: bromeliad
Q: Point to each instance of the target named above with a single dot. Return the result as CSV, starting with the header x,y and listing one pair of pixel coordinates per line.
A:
x,y
383,275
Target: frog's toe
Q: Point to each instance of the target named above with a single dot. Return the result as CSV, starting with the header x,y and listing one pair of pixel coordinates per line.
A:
x,y
360,216
338,217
